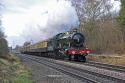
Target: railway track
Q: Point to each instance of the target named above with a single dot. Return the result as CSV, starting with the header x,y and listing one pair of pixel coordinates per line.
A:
x,y
106,66
101,65
81,74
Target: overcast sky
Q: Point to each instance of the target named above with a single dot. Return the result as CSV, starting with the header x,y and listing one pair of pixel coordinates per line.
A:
x,y
37,19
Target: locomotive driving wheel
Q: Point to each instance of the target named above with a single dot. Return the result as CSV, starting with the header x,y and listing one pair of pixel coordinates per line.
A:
x,y
69,57
76,58
82,58
59,54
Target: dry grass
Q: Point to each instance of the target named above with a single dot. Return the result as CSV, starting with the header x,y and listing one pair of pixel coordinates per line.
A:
x,y
109,59
12,71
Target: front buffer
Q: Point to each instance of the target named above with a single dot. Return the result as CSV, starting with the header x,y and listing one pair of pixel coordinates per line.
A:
x,y
77,54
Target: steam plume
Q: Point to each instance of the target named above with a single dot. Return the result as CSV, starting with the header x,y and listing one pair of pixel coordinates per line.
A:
x,y
58,17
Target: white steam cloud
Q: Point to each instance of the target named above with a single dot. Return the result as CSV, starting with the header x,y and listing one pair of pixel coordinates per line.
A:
x,y
57,17
36,20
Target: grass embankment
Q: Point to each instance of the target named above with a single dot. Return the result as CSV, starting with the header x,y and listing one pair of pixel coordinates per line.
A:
x,y
109,59
12,71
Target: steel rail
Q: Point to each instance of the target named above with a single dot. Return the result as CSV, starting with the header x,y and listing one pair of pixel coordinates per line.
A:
x,y
106,66
64,68
120,69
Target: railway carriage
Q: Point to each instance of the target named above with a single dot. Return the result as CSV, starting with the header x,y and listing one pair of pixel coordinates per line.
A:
x,y
64,45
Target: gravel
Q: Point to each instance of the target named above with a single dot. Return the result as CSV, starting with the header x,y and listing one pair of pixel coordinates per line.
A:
x,y
97,70
44,74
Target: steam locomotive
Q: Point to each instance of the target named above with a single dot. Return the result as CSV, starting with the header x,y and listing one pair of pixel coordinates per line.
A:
x,y
68,45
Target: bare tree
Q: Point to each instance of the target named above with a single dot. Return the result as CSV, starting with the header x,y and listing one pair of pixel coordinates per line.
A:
x,y
92,10
98,25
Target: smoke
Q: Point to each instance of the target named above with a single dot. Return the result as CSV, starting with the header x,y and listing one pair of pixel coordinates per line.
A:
x,y
53,18
36,20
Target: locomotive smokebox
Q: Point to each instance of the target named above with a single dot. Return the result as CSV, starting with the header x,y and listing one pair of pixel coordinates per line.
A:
x,y
78,39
